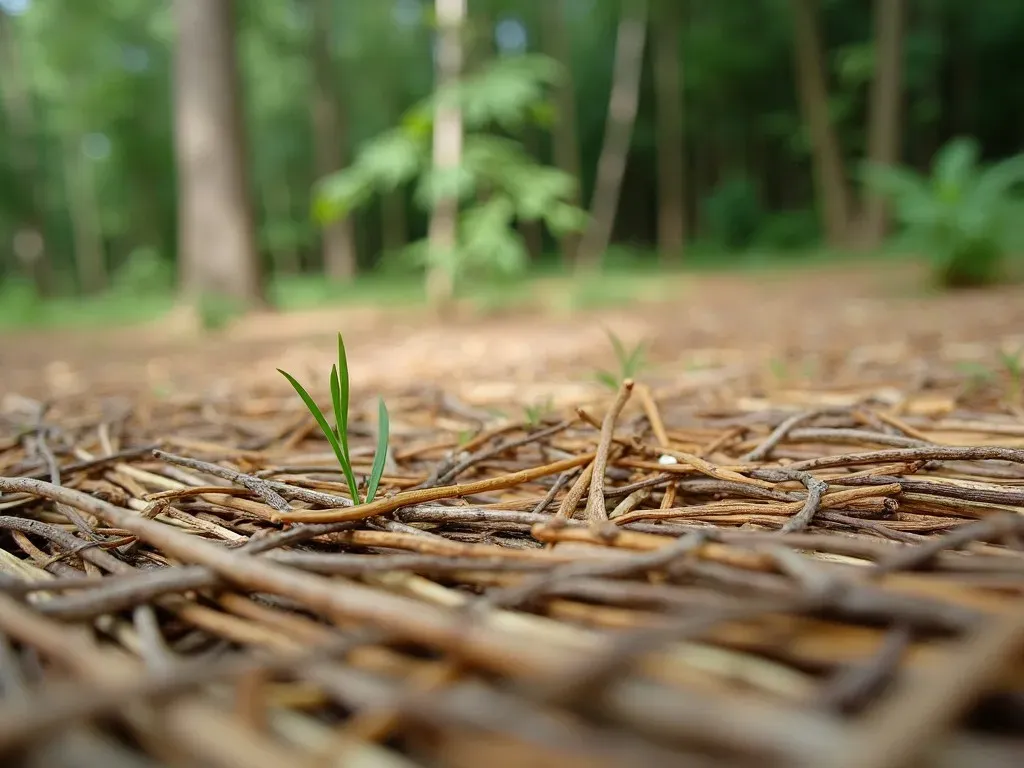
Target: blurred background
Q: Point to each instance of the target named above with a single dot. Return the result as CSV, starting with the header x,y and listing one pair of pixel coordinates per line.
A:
x,y
236,156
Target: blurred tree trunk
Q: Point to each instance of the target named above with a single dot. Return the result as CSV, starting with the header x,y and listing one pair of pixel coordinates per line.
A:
x,y
668,85
622,107
86,225
442,233
29,244
829,175
217,242
330,139
565,139
885,115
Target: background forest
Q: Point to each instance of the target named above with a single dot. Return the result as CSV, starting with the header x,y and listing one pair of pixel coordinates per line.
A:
x,y
283,153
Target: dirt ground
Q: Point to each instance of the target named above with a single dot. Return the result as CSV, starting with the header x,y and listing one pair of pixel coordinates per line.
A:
x,y
825,325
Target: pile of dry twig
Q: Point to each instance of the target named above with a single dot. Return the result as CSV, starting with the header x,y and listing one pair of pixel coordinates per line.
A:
x,y
639,582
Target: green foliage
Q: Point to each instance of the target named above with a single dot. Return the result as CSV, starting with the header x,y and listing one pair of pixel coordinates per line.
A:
x,y
20,301
504,182
98,78
966,216
789,231
630,362
337,435
144,273
733,213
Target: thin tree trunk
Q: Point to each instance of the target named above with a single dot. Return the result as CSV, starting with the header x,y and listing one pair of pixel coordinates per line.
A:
x,y
90,260
622,107
830,178
442,234
885,116
30,241
565,140
217,242
329,135
669,114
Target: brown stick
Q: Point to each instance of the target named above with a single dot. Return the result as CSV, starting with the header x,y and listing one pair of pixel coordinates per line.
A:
x,y
408,498
596,511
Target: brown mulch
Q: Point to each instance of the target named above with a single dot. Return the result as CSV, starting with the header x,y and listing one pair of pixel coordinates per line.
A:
x,y
796,539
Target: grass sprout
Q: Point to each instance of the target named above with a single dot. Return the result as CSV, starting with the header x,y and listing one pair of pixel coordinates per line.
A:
x,y
337,435
630,361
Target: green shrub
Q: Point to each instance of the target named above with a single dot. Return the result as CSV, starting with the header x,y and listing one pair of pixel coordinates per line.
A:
x,y
733,213
965,217
789,231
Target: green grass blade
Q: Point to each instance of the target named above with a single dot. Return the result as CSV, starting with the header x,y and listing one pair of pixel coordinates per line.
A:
x,y
341,408
620,349
336,402
635,361
325,427
383,428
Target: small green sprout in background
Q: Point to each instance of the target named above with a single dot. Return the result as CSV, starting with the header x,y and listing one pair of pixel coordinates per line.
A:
x,y
631,362
1014,367
536,413
980,376
338,435
977,376
779,370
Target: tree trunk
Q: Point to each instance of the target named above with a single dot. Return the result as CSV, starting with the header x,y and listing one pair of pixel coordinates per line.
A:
x,y
218,256
622,107
829,175
442,232
330,129
885,115
86,224
669,114
29,244
565,140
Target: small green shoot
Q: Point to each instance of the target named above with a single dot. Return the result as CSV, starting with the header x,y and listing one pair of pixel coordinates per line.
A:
x,y
977,377
1014,367
631,362
779,370
337,435
536,413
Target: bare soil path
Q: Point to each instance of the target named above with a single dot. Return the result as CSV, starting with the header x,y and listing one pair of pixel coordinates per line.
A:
x,y
860,315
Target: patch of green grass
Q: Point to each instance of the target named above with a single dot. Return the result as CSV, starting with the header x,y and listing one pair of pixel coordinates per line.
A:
x,y
627,276
20,310
386,288
337,435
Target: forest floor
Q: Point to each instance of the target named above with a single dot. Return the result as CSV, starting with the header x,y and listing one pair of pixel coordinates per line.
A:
x,y
805,547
